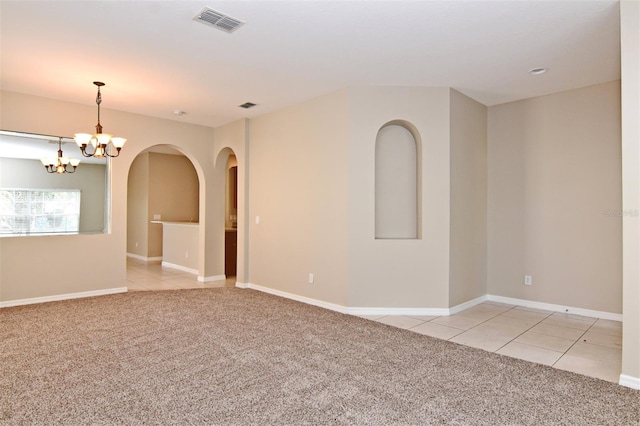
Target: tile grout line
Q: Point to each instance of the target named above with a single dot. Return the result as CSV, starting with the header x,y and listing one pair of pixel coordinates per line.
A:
x,y
522,332
569,348
462,330
578,340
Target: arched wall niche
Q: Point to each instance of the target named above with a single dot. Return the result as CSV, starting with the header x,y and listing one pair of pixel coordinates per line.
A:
x,y
398,171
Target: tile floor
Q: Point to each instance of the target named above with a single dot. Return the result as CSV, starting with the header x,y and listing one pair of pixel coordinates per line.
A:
x,y
145,276
584,345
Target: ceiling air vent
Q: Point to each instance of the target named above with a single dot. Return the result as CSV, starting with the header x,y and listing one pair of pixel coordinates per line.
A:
x,y
218,20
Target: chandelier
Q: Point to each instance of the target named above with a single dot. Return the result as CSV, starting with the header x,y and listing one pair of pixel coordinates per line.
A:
x,y
103,143
60,164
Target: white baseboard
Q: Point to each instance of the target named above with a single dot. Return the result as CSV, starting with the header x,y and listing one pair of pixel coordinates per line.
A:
x,y
433,311
417,311
469,304
201,278
143,258
211,278
629,381
556,308
396,311
365,310
179,268
59,297
303,299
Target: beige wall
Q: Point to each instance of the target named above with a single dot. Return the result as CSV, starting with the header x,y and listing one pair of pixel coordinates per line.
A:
x,y
137,207
299,188
173,194
180,243
312,185
630,43
554,187
76,270
90,179
173,187
398,273
468,233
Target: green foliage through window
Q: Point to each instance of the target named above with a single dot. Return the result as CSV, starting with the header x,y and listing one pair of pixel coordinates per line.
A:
x,y
39,211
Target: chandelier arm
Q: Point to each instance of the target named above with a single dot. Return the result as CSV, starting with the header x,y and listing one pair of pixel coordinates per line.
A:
x,y
112,156
83,150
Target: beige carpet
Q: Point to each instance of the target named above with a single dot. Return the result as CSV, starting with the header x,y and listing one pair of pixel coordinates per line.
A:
x,y
234,357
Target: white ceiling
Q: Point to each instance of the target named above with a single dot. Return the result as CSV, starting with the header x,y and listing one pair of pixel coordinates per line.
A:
x,y
154,58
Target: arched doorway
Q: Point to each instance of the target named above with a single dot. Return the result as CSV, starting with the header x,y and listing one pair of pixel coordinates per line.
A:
x,y
162,204
231,218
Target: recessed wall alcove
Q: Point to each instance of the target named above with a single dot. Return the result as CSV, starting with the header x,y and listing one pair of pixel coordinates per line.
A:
x,y
397,181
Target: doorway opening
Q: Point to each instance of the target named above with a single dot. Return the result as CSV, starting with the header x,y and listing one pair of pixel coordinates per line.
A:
x,y
231,218
162,220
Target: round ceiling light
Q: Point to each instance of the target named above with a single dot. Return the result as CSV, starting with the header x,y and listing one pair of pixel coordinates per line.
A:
x,y
537,71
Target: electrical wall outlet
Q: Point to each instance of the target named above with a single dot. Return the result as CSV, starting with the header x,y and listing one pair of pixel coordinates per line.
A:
x,y
310,278
528,280
157,217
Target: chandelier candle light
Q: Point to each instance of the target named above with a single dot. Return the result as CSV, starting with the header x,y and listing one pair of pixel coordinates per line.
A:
x,y
61,164
100,141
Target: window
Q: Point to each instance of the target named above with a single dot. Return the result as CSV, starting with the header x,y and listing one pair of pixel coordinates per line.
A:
x,y
39,211
20,168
